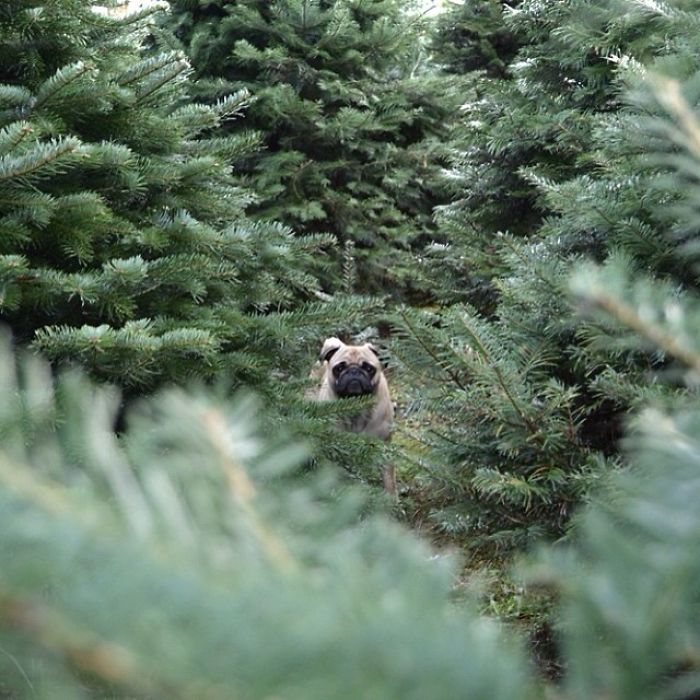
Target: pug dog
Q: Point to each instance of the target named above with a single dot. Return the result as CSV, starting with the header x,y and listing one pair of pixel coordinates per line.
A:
x,y
355,370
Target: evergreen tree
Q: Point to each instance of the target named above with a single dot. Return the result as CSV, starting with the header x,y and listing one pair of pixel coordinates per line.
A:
x,y
183,561
628,619
125,243
540,79
350,120
640,542
475,36
535,403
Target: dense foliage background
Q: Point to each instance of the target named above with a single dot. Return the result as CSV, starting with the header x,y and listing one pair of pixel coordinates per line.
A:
x,y
502,196
350,117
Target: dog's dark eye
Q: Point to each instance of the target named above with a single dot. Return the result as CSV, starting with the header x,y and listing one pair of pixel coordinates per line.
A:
x,y
367,367
339,368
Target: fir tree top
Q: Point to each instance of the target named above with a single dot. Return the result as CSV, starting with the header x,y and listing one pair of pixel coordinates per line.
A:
x,y
349,119
124,243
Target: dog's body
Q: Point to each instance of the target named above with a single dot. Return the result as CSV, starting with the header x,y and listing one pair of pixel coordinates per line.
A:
x,y
355,370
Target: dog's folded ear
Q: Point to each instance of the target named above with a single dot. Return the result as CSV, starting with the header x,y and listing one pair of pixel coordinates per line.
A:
x,y
330,347
375,350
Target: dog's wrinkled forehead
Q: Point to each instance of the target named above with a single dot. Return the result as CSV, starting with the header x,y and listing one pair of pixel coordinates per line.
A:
x,y
335,351
354,354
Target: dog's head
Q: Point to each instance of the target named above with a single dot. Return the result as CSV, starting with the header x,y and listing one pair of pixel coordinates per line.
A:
x,y
352,370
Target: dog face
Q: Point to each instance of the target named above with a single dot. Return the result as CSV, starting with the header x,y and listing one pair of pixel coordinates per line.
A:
x,y
353,370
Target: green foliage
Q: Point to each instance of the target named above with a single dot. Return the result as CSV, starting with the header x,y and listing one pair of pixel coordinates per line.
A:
x,y
529,399
195,554
125,242
506,458
533,107
351,121
184,560
632,615
630,618
475,35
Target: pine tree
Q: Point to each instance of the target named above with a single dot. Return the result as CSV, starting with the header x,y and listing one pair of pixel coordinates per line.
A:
x,y
639,543
534,401
125,242
350,119
629,623
185,560
181,560
539,79
475,36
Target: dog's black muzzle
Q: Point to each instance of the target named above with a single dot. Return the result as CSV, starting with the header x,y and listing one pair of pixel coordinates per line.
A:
x,y
353,381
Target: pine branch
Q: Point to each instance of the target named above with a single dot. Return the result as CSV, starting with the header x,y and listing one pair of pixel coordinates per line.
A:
x,y
61,80
151,67
137,15
176,69
14,97
196,118
13,135
655,315
429,350
53,154
493,364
